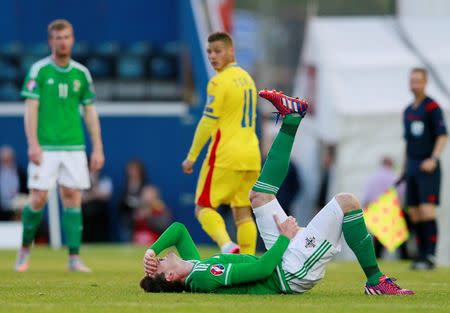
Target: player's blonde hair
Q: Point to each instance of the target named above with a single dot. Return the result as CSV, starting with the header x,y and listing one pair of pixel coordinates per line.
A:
x,y
221,36
58,25
421,70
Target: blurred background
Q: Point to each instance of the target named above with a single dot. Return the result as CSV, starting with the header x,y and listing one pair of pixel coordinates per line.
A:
x,y
351,60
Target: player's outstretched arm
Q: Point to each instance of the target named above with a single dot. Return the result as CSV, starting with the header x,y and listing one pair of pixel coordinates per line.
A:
x,y
264,266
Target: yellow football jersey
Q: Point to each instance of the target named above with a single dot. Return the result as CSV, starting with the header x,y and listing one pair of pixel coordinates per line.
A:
x,y
231,104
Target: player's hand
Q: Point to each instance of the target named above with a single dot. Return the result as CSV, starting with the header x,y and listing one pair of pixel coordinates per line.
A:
x,y
288,228
35,153
97,160
150,262
187,166
428,165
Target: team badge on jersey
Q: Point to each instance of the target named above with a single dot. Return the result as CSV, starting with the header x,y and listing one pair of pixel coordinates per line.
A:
x,y
417,128
76,85
217,269
310,242
31,85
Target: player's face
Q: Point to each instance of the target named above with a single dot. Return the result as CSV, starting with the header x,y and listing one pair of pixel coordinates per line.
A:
x,y
219,54
417,83
168,266
61,42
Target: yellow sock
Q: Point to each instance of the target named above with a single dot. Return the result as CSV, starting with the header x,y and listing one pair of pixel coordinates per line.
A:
x,y
214,225
246,236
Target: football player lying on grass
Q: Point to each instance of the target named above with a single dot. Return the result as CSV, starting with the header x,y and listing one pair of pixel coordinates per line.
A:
x,y
296,258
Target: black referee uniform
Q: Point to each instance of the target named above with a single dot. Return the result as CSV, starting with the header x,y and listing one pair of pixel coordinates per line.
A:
x,y
422,125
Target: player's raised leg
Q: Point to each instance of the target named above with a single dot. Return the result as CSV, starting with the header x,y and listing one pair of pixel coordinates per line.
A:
x,y
274,171
277,163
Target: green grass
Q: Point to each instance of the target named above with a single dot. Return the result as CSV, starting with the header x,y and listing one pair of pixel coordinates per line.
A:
x,y
113,287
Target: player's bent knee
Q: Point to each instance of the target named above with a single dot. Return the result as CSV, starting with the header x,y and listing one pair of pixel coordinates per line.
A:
x,y
258,199
348,202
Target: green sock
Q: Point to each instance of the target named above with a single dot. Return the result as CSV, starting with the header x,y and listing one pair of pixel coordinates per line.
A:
x,y
30,221
359,240
277,163
73,228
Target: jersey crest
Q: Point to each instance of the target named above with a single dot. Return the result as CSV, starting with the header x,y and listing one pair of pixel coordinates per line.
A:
x,y
217,269
310,242
417,128
76,85
31,85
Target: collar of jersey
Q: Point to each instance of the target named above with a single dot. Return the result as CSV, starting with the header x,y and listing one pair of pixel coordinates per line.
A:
x,y
194,262
232,64
425,100
59,68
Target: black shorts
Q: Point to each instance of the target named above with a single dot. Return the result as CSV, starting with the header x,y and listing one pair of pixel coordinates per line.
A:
x,y
422,187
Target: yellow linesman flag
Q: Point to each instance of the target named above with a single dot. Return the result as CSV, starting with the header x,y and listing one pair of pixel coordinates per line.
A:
x,y
384,219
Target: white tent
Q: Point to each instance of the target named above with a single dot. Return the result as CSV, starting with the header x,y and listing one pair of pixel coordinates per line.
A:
x,y
429,37
356,72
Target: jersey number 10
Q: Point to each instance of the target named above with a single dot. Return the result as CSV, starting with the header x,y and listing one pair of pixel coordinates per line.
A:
x,y
63,90
247,116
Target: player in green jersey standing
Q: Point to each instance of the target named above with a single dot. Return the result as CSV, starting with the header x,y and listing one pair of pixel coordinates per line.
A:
x,y
296,258
54,89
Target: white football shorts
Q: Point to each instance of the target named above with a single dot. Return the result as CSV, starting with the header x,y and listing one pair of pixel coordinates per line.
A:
x,y
309,252
68,168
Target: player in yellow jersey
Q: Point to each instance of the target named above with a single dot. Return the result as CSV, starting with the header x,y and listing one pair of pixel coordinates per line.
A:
x,y
233,162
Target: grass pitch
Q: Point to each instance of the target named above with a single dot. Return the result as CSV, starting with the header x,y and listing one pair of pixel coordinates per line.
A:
x,y
113,287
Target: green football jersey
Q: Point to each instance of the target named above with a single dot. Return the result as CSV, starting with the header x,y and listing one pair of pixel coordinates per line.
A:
x,y
228,273
60,91
214,275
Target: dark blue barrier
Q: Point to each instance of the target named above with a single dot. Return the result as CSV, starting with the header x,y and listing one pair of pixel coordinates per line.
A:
x,y
160,142
93,20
